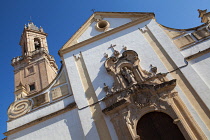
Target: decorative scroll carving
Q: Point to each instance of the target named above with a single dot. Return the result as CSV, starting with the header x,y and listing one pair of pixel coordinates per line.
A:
x,y
25,102
134,92
19,108
127,72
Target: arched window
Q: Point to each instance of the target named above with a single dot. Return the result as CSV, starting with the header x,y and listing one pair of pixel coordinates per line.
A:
x,y
158,126
37,43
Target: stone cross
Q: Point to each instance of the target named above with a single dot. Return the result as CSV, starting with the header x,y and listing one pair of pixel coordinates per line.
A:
x,y
116,53
112,46
30,19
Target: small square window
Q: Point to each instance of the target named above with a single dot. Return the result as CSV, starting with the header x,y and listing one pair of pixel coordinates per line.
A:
x,y
32,87
30,70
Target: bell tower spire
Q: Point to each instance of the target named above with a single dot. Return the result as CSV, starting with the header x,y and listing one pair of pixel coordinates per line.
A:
x,y
33,38
35,68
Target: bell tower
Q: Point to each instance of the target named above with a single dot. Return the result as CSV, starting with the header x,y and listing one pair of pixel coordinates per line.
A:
x,y
35,68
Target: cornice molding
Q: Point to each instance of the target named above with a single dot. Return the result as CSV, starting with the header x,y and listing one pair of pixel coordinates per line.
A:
x,y
38,32
189,29
198,54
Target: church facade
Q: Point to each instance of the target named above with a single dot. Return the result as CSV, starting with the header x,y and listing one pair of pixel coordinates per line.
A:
x,y
123,76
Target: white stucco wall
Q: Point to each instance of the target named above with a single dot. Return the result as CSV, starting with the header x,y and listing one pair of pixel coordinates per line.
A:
x,y
190,74
133,39
91,31
202,66
85,115
93,55
66,126
193,74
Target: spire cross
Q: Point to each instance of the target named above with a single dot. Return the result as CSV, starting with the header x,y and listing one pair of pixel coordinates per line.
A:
x,y
93,10
30,19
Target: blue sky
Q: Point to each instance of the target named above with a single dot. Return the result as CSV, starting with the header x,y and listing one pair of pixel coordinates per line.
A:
x,y
62,18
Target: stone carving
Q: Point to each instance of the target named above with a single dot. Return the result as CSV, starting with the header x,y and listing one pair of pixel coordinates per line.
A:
x,y
116,53
201,12
143,100
128,75
106,55
134,91
19,108
204,15
153,69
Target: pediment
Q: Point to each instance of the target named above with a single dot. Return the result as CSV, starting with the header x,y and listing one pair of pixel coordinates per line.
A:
x,y
101,23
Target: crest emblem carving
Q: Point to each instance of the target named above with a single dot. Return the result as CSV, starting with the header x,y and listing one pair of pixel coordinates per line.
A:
x,y
145,87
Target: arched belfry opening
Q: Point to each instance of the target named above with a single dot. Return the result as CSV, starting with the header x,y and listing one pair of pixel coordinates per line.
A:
x,y
158,126
37,43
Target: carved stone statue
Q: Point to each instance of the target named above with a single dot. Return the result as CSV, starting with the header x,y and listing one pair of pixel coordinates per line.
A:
x,y
128,75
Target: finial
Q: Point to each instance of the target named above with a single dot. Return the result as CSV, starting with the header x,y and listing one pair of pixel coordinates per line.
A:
x,y
31,26
20,84
106,55
41,29
201,12
153,69
30,20
93,10
205,17
124,48
116,53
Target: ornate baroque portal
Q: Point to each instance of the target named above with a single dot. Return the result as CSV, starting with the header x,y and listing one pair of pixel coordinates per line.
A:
x,y
136,92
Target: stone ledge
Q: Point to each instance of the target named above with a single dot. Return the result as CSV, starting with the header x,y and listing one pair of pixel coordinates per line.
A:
x,y
116,105
198,54
200,34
